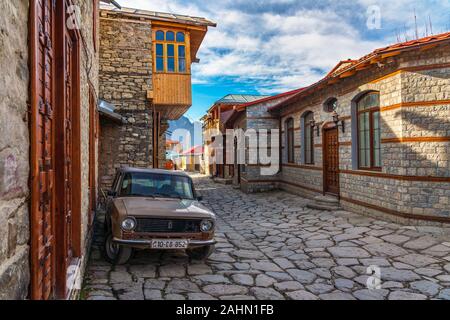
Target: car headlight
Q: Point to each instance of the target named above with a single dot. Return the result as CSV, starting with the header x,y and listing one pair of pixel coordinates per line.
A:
x,y
206,225
128,224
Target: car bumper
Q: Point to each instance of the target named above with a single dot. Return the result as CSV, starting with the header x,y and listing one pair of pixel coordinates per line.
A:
x,y
148,243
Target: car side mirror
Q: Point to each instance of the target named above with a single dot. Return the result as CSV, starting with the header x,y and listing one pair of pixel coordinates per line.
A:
x,y
111,193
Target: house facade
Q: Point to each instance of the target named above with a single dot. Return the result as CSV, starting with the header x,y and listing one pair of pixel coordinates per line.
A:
x,y
49,86
373,133
145,73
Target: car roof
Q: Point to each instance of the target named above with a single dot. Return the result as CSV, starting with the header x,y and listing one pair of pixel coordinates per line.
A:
x,y
154,171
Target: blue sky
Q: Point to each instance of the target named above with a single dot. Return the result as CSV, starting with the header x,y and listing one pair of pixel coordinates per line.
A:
x,y
272,46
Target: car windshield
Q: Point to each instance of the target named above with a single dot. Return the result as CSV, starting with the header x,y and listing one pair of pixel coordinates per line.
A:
x,y
156,185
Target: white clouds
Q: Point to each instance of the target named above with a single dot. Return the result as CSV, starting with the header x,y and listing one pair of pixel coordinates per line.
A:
x,y
286,44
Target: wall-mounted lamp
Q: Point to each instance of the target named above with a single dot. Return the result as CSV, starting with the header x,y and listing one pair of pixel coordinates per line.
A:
x,y
314,125
338,121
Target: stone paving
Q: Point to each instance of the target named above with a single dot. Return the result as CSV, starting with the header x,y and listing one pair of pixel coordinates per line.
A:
x,y
270,246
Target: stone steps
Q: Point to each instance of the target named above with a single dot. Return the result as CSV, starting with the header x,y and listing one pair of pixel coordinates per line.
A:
x,y
324,203
223,181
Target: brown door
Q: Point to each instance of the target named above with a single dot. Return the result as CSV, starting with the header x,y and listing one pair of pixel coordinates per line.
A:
x,y
68,137
67,150
55,144
42,26
331,161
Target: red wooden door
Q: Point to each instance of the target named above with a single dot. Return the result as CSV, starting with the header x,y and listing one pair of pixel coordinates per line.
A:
x,y
42,22
331,161
68,138
67,150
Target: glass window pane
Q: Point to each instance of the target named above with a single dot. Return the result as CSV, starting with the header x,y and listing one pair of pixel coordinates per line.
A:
x,y
362,160
170,50
307,143
159,50
182,65
171,64
367,157
160,35
170,36
370,100
376,139
376,120
377,156
180,37
159,64
181,51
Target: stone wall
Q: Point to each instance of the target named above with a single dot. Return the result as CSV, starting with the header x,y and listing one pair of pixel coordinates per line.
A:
x,y
256,117
422,115
14,151
125,77
88,79
15,144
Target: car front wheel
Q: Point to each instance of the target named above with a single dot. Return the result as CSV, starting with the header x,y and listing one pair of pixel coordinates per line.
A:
x,y
202,253
114,253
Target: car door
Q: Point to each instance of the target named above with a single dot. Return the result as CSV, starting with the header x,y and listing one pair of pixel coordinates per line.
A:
x,y
115,189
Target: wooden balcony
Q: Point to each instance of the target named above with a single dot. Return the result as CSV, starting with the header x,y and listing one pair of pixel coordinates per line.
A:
x,y
172,94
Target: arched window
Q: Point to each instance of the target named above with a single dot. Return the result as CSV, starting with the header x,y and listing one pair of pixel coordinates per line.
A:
x,y
180,37
330,105
170,36
290,140
160,35
308,138
369,132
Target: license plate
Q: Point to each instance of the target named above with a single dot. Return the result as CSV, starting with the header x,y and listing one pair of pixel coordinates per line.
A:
x,y
169,244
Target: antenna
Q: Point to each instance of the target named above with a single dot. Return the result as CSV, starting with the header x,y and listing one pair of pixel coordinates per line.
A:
x,y
415,24
431,25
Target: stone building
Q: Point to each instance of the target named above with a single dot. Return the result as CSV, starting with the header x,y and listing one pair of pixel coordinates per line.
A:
x,y
145,73
373,135
48,90
252,115
213,125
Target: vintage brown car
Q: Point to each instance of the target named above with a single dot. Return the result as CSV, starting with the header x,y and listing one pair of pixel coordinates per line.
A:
x,y
156,209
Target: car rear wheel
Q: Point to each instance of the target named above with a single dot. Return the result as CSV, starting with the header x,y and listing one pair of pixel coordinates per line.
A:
x,y
114,253
202,253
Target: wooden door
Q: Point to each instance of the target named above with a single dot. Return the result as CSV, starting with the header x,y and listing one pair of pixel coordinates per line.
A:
x,y
67,149
42,26
331,161
68,139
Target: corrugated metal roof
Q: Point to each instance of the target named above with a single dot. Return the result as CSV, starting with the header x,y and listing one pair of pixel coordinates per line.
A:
x,y
108,110
240,98
163,16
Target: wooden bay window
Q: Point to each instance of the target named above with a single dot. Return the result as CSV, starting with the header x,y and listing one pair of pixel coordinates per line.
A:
x,y
170,52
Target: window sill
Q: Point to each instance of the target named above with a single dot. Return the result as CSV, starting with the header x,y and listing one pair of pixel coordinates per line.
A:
x,y
370,169
174,73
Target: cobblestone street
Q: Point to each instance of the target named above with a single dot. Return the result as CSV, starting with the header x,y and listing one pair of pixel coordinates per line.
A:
x,y
270,246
